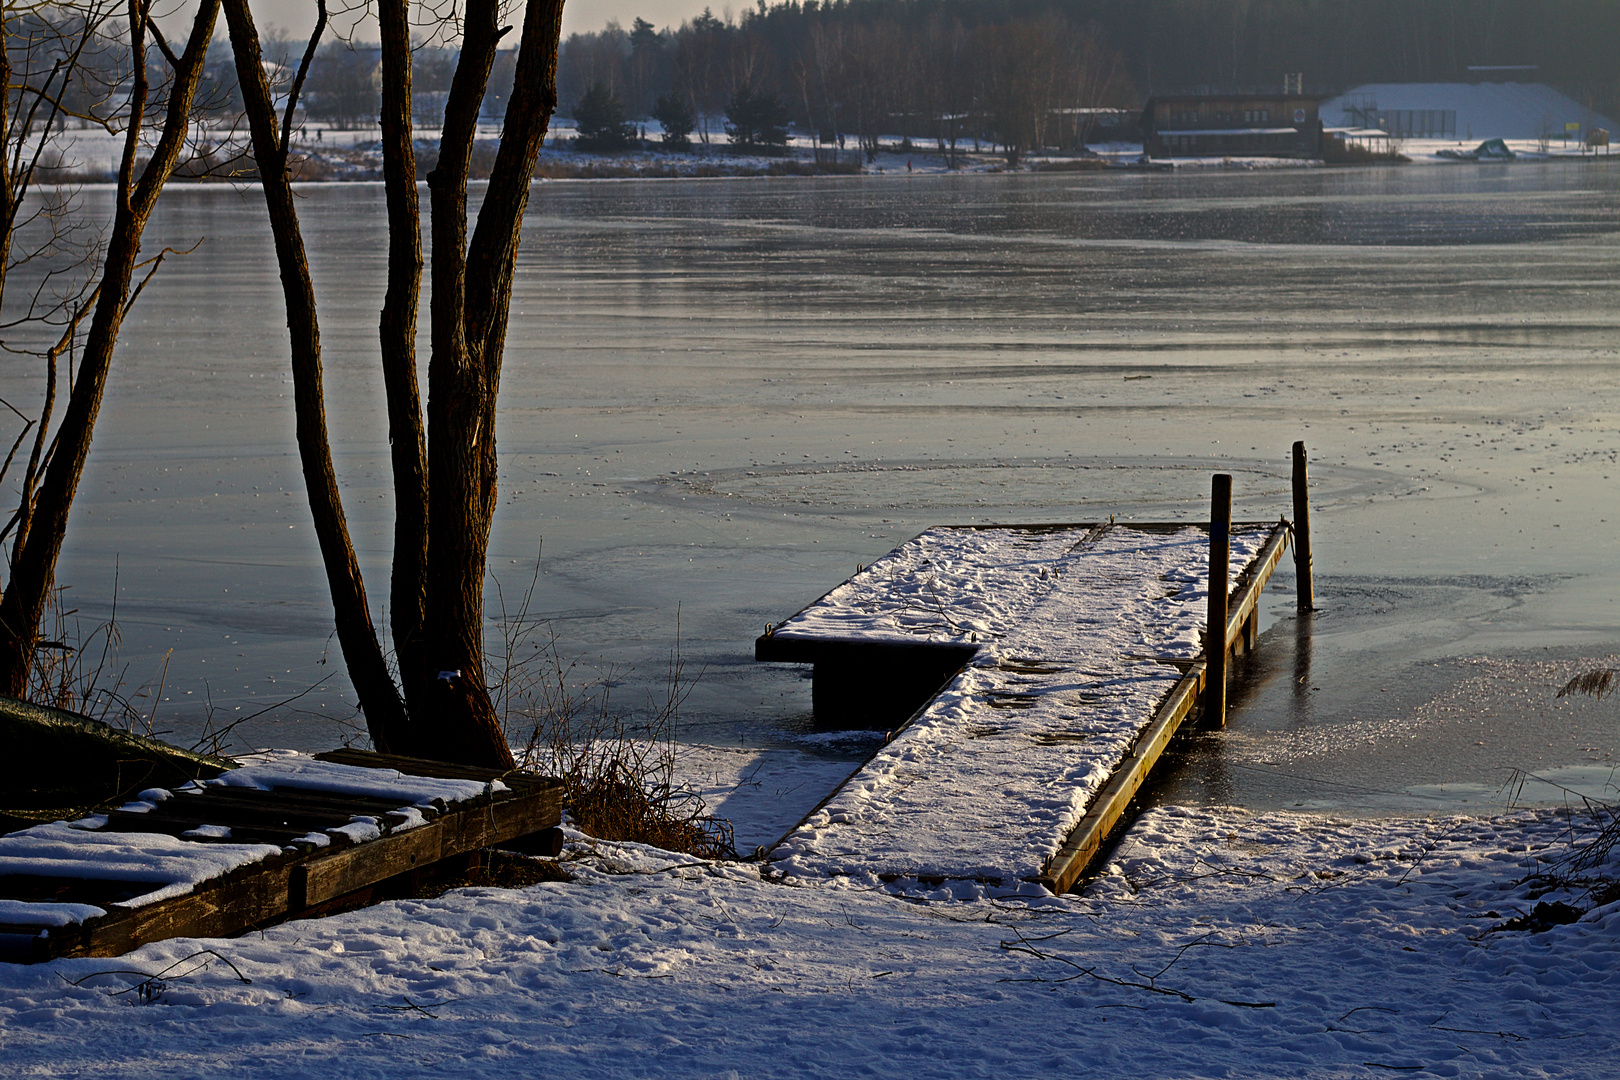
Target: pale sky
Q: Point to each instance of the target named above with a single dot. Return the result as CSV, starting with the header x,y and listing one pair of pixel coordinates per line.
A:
x,y
579,16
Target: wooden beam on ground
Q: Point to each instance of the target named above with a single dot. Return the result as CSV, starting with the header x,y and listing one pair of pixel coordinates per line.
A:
x,y
1065,868
1086,840
291,881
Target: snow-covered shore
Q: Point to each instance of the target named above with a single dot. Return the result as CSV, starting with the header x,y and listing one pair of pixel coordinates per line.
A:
x,y
1216,943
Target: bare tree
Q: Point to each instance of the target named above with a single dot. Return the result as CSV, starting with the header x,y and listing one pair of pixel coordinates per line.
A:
x,y
699,70
441,705
33,101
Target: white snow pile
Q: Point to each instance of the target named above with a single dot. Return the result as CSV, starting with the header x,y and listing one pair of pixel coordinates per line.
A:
x,y
173,866
1215,944
272,769
1074,628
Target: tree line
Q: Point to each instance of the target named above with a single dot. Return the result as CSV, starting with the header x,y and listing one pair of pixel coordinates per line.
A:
x,y
1017,83
1006,68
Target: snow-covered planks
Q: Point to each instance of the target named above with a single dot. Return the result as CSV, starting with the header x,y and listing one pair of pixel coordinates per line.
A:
x,y
1081,634
280,836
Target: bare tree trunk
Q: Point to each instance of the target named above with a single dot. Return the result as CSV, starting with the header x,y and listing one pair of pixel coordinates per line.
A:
x,y
472,291
406,439
33,571
379,698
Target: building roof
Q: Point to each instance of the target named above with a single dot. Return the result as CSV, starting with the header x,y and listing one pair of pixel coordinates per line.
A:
x,y
1494,110
1233,131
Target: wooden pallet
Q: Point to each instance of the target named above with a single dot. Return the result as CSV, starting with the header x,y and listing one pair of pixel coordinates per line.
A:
x,y
302,878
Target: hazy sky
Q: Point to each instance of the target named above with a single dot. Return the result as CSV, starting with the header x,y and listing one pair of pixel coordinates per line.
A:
x,y
298,16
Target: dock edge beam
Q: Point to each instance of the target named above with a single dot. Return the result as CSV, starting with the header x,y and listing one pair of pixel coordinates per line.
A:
x,y
1105,811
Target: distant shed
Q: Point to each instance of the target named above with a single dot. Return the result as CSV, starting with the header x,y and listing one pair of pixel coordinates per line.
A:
x,y
1233,125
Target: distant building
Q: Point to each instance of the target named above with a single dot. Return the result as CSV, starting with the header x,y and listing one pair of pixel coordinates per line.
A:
x,y
1232,125
1465,112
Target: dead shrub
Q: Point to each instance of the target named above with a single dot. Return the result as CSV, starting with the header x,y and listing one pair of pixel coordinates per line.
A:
x,y
78,670
1585,864
1597,683
618,772
1071,165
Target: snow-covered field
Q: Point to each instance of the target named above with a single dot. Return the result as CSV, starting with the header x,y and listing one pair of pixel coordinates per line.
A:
x,y
1216,943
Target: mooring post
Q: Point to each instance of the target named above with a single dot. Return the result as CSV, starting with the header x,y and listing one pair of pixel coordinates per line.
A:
x,y
1220,554
1302,531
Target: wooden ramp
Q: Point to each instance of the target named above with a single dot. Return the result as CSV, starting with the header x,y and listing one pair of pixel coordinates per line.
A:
x,y
283,836
1028,676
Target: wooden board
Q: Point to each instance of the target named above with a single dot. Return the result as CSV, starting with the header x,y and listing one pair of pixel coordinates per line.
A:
x,y
300,876
1086,839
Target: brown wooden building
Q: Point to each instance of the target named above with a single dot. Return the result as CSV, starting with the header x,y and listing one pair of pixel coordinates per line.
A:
x,y
1233,125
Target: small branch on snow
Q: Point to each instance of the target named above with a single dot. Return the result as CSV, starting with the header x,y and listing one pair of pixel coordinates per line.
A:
x,y
1477,1031
1023,946
411,1006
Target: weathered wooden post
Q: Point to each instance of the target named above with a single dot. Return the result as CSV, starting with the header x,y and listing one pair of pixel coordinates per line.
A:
x,y
1220,555
1302,531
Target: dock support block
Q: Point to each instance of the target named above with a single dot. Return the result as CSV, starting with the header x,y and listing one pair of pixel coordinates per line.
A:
x,y
1220,555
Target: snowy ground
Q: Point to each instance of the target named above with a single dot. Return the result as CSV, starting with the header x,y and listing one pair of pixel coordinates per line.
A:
x,y
1215,944
334,154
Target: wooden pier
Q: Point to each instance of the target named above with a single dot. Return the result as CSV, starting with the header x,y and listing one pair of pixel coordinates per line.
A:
x,y
1028,678
246,850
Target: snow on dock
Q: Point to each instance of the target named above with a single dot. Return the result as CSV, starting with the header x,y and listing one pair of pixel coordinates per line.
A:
x,y
1080,635
280,836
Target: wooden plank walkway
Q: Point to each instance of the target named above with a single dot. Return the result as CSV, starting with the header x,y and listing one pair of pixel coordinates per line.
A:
x,y
1069,654
274,840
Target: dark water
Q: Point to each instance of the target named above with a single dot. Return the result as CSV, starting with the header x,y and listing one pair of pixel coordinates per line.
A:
x,y
722,395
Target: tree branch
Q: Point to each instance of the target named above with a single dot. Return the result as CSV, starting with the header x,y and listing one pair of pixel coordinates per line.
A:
x,y
298,82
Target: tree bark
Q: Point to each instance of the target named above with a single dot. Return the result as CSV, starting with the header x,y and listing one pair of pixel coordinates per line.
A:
x,y
33,570
397,331
472,291
379,698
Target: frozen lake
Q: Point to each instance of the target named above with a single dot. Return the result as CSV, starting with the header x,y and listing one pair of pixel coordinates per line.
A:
x,y
721,395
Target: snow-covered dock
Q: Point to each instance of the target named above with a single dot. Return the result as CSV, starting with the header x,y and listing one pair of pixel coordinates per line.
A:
x,y
283,835
1080,650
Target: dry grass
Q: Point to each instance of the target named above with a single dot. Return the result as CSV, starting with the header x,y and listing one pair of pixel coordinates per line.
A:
x,y
1584,866
79,670
1071,165
618,771
1598,683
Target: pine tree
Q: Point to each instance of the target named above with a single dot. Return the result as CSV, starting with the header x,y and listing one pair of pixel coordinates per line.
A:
x,y
758,119
600,120
677,118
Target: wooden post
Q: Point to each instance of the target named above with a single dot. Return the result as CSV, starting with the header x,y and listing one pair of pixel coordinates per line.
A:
x,y
1302,531
1220,554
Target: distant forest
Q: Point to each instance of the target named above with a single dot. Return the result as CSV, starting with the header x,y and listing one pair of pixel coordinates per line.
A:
x,y
1009,67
